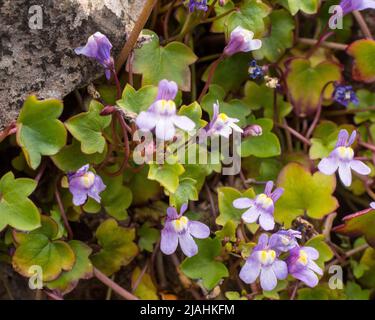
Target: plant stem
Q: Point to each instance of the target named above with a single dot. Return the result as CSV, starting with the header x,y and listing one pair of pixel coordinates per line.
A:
x,y
362,24
9,130
139,25
210,76
325,44
139,279
348,111
367,145
115,287
63,214
209,20
294,133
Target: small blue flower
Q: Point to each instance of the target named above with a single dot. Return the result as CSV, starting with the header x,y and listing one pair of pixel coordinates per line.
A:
x,y
255,71
198,5
345,95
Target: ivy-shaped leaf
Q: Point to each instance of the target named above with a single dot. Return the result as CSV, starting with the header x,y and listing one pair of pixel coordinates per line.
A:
x,y
16,209
204,266
170,62
325,252
304,193
263,146
307,6
117,247
146,290
71,157
166,174
82,269
194,112
137,100
39,248
361,223
226,196
280,38
39,132
250,15
354,291
186,191
363,52
366,99
306,81
147,237
87,127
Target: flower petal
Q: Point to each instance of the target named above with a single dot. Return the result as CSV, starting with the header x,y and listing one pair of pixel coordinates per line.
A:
x,y
251,215
314,267
268,280
262,241
188,245
242,203
268,188
267,221
342,138
169,239
146,120
167,90
96,188
183,122
255,44
172,213
250,271
345,173
277,194
280,269
352,138
328,165
165,129
307,276
199,230
359,167
311,252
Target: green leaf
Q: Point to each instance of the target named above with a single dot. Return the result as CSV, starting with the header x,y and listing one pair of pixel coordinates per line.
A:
x,y
234,295
186,191
170,62
71,158
317,293
355,292
366,99
146,289
226,196
234,108
203,265
227,232
264,146
116,197
306,81
194,112
147,237
117,247
325,252
260,96
39,132
250,15
304,193
230,73
361,223
307,6
280,38
363,52
82,269
137,101
166,174
37,249
88,127
16,209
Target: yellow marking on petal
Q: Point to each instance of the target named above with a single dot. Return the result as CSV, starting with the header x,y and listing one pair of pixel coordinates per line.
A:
x,y
88,179
303,258
346,153
180,224
264,200
223,116
267,256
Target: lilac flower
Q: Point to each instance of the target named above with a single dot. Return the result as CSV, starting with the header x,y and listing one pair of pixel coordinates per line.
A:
x,y
199,5
261,207
255,71
285,240
99,48
372,205
241,40
221,124
344,95
352,5
83,183
342,158
253,130
302,267
263,261
179,229
162,116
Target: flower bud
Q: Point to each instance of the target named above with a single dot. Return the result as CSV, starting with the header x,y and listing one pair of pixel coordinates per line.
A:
x,y
252,130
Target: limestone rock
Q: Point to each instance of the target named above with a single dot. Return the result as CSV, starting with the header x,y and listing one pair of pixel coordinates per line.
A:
x,y
37,41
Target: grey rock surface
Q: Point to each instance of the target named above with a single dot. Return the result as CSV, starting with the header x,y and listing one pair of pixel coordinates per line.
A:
x,y
37,38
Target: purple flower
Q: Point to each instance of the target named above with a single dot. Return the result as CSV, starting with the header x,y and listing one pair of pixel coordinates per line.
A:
x,y
241,40
255,71
198,5
372,205
302,267
342,158
285,240
344,95
352,5
99,48
261,207
162,116
263,261
253,130
221,124
178,228
83,183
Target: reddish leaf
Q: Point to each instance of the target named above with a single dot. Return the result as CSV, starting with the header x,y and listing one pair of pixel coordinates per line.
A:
x,y
363,52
